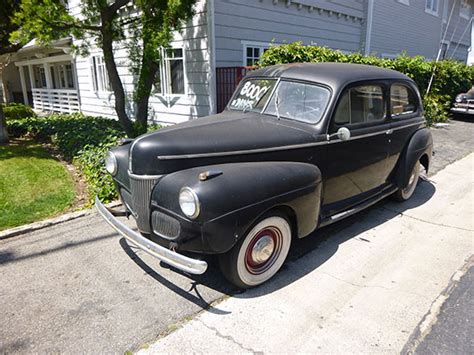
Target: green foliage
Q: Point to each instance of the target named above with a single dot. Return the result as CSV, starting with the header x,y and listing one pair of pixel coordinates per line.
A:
x,y
16,111
7,26
82,139
90,161
436,108
451,77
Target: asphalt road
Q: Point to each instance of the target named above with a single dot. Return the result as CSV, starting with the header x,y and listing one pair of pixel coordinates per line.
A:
x,y
78,287
453,331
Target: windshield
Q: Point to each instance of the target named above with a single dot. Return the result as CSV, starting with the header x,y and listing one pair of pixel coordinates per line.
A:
x,y
293,100
298,101
252,95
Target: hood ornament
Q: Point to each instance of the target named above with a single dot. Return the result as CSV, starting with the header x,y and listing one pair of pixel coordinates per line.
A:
x,y
206,175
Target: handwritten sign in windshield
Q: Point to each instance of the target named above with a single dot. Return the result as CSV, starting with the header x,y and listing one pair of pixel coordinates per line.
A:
x,y
252,95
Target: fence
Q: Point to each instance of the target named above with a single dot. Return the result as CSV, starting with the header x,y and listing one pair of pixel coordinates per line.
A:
x,y
227,79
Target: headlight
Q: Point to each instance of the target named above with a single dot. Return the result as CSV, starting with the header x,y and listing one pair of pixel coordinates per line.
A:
x,y
111,163
459,98
189,202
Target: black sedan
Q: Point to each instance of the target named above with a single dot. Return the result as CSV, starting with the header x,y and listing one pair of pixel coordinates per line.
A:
x,y
299,146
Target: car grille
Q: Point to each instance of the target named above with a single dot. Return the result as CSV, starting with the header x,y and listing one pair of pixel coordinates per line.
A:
x,y
141,187
165,226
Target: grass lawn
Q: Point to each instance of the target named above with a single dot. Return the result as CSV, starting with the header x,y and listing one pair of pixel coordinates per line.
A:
x,y
33,185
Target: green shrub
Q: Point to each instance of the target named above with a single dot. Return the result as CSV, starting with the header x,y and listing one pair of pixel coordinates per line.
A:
x,y
91,162
436,108
451,77
69,133
16,111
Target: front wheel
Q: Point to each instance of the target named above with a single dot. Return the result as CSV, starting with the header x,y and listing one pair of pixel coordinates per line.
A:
x,y
260,254
403,194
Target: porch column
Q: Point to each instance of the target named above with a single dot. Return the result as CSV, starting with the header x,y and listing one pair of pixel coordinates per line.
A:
x,y
32,76
23,85
32,82
47,72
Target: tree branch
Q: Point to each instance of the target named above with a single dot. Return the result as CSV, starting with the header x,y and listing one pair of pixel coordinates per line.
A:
x,y
10,49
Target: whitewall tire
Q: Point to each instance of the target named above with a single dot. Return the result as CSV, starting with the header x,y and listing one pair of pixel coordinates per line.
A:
x,y
259,255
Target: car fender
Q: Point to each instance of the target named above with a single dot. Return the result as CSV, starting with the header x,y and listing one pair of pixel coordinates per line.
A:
x,y
235,195
419,145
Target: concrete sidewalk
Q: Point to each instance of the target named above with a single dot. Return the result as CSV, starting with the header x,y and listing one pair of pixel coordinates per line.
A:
x,y
366,289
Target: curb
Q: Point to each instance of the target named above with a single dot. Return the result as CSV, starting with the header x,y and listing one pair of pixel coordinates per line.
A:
x,y
13,232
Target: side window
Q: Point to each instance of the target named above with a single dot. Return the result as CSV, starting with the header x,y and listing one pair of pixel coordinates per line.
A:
x,y
361,104
402,100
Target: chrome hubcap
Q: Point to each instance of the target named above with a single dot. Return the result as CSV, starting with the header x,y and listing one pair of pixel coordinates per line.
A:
x,y
263,249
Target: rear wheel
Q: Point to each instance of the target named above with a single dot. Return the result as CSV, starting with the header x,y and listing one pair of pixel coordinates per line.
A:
x,y
260,254
403,194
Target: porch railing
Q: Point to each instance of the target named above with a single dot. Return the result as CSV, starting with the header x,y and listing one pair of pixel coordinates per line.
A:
x,y
227,79
56,100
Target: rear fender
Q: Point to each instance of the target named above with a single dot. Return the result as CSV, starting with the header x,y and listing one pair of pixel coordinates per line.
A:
x,y
420,147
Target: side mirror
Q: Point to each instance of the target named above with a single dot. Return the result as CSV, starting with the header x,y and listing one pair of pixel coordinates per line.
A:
x,y
342,133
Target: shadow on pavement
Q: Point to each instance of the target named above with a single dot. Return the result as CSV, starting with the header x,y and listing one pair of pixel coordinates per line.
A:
x,y
323,240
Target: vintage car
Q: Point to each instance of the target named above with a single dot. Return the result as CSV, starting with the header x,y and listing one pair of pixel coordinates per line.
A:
x,y
298,147
464,104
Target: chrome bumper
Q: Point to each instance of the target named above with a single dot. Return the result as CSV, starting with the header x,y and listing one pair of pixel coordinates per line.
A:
x,y
169,257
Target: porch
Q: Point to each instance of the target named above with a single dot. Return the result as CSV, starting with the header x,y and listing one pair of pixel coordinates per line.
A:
x,y
48,81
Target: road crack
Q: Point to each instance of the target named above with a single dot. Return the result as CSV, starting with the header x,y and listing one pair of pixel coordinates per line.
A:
x,y
229,338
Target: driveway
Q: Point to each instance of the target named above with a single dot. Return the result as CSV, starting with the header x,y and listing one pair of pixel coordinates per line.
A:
x,y
78,287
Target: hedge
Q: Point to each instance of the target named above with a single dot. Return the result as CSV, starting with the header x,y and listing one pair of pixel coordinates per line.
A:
x,y
83,140
451,78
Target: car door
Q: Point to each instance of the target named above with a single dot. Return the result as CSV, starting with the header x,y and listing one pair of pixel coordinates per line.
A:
x,y
356,168
406,118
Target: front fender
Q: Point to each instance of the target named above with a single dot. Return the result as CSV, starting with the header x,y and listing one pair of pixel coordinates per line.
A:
x,y
420,144
232,201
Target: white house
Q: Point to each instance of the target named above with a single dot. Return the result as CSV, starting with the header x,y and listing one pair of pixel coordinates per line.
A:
x,y
211,54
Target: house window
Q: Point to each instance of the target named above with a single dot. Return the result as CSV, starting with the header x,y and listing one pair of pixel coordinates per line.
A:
x,y
39,76
170,78
252,54
62,76
100,79
431,7
465,9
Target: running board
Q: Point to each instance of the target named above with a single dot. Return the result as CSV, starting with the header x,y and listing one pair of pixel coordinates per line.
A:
x,y
363,205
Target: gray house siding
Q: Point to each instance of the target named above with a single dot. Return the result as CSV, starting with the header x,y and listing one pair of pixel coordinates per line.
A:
x,y
416,32
336,24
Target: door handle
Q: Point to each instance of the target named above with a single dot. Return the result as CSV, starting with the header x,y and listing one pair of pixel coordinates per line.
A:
x,y
390,131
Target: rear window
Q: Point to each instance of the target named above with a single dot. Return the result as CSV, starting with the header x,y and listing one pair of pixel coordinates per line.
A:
x,y
402,100
361,104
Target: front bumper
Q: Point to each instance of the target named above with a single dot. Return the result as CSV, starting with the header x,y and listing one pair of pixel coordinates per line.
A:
x,y
463,110
180,262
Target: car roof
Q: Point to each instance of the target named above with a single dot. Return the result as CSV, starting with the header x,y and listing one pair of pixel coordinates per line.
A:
x,y
336,75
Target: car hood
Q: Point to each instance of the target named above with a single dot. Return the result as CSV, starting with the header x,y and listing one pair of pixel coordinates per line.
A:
x,y
199,142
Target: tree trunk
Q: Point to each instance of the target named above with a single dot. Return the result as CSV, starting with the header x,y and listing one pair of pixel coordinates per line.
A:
x,y
3,127
115,82
145,84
